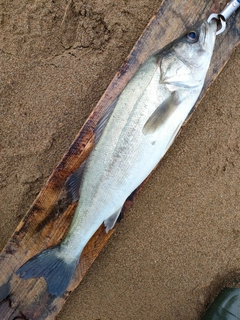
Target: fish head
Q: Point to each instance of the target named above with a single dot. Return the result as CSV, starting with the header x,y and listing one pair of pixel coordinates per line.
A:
x,y
195,47
185,62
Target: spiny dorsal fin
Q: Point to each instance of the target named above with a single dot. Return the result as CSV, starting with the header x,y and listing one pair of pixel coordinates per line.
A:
x,y
73,182
103,121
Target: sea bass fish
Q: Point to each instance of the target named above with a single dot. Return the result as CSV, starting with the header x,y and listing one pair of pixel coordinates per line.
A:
x,y
131,139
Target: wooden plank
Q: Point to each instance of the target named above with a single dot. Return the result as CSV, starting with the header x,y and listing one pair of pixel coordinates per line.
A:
x,y
48,219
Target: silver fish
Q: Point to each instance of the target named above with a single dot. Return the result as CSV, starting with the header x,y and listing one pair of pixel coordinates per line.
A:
x,y
131,139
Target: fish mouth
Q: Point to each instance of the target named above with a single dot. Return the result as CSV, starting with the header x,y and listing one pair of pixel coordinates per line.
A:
x,y
208,29
204,30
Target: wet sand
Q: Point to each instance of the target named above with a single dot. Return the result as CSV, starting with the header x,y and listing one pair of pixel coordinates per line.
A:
x,y
179,241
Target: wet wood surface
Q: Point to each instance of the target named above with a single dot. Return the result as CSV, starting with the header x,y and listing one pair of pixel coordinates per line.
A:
x,y
50,215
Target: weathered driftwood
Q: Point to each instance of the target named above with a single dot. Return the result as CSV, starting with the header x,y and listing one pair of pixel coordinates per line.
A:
x,y
48,219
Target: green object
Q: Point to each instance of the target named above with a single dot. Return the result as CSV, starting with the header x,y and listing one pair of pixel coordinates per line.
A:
x,y
226,306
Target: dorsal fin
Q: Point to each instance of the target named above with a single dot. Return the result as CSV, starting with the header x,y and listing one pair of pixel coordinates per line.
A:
x,y
98,130
73,182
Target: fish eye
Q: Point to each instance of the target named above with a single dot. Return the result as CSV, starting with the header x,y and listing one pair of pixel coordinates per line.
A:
x,y
192,36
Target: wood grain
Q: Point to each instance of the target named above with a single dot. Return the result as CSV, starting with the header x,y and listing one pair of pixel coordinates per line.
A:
x,y
50,215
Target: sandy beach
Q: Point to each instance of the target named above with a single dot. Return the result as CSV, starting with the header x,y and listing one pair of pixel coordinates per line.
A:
x,y
179,243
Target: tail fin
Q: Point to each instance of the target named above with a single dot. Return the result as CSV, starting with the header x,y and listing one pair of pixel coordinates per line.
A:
x,y
47,264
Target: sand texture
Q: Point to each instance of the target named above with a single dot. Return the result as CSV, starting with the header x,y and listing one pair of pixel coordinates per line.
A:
x,y
179,243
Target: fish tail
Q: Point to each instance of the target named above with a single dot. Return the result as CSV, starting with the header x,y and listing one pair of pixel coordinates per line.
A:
x,y
55,270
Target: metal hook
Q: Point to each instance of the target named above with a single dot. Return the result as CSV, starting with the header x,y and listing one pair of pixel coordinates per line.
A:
x,y
219,18
230,8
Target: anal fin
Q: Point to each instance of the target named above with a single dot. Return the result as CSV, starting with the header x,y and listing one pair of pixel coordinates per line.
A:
x,y
110,222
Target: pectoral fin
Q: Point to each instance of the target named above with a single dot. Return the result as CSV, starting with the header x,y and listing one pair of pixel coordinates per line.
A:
x,y
161,114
